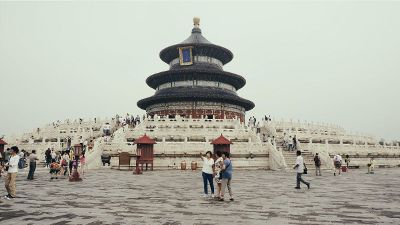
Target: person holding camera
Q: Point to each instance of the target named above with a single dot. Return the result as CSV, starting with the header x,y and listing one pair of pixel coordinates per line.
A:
x,y
12,171
207,173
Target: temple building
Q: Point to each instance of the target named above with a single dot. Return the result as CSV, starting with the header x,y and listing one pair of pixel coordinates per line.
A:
x,y
196,109
196,85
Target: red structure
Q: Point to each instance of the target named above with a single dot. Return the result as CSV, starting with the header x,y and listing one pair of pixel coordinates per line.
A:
x,y
144,152
221,144
2,143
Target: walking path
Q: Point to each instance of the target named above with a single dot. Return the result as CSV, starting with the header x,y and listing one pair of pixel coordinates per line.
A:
x,y
174,197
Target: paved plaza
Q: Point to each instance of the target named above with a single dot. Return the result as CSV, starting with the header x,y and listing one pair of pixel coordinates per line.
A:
x,y
174,197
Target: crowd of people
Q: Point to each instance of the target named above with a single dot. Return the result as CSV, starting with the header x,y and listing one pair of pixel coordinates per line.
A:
x,y
59,163
129,120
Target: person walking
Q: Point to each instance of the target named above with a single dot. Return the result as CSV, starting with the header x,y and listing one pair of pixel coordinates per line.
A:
x,y
371,166
337,162
207,173
226,175
290,143
294,145
65,163
48,157
82,162
12,171
299,167
347,161
317,162
32,164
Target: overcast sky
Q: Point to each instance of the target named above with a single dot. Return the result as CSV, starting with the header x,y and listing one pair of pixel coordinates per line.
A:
x,y
335,62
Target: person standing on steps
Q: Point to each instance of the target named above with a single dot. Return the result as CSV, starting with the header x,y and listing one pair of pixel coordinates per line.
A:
x,y
317,162
290,143
299,167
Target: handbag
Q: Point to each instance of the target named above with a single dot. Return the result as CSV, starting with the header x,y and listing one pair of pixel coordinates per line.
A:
x,y
305,169
223,170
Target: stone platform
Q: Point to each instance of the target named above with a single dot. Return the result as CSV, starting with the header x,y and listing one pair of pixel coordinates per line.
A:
x,y
174,197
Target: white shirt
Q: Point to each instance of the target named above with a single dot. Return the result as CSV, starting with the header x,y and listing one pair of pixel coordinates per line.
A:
x,y
13,163
337,158
300,162
207,165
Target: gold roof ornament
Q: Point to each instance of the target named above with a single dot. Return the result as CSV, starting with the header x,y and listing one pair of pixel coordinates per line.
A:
x,y
196,21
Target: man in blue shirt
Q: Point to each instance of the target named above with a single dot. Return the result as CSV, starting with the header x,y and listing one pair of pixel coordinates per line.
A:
x,y
226,174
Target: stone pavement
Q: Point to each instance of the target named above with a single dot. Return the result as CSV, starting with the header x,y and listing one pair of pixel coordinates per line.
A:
x,y
174,197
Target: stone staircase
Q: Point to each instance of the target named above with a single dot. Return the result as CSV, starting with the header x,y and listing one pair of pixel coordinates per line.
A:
x,y
290,156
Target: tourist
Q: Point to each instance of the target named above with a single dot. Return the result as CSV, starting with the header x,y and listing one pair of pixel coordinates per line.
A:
x,y
337,162
53,155
218,167
347,161
64,163
285,141
317,162
32,164
258,128
226,175
137,119
82,164
22,161
55,169
48,157
294,143
71,161
264,138
207,173
299,167
12,171
290,143
371,166
107,129
1,162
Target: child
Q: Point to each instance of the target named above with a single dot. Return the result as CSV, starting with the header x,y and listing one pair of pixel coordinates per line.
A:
x,y
54,169
64,163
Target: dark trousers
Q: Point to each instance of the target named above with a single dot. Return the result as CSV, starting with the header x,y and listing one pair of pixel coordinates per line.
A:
x,y
70,166
299,179
208,178
32,168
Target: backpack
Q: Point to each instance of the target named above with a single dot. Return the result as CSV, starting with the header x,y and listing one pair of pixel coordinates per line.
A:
x,y
317,161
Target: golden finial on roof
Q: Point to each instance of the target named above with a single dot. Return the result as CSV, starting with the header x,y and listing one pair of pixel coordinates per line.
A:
x,y
196,21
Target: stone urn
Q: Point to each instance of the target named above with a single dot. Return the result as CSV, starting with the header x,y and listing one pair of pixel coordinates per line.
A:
x,y
193,165
183,165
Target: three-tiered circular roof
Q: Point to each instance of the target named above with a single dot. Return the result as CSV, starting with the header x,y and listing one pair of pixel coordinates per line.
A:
x,y
205,71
